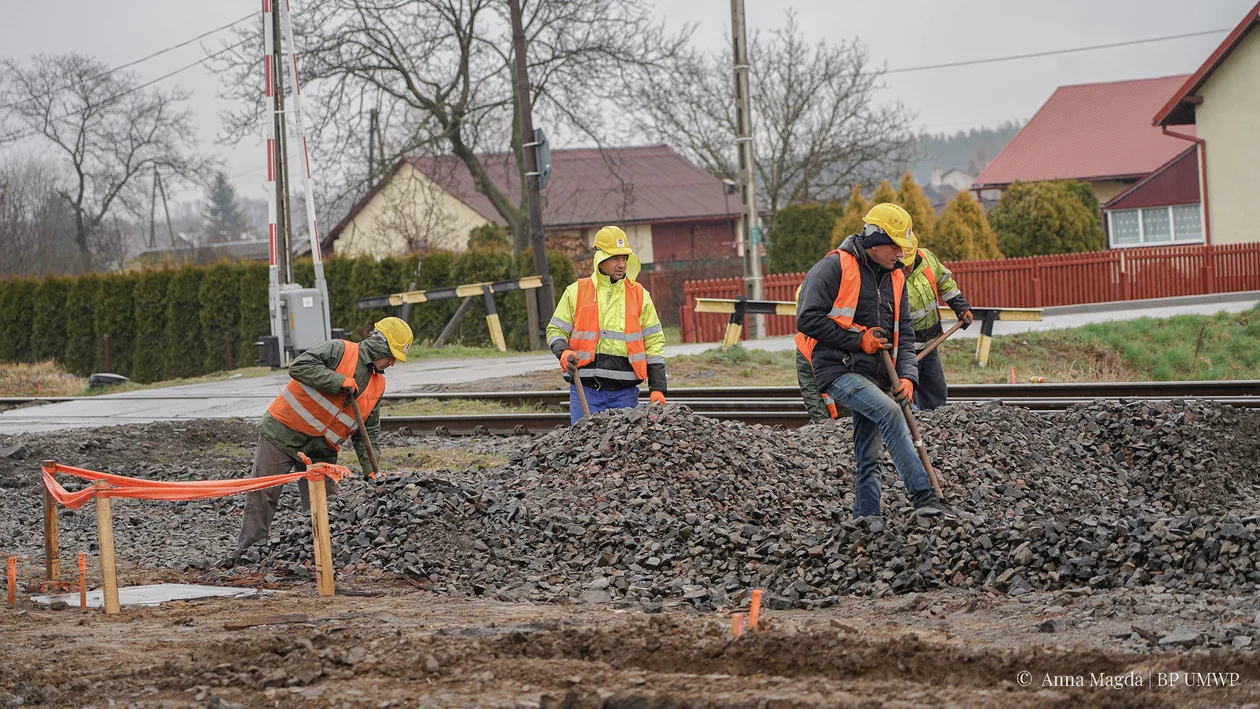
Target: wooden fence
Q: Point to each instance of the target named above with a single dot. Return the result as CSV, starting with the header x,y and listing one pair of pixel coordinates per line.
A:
x,y
1031,282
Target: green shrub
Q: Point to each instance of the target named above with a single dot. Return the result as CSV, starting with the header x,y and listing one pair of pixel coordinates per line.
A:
x,y
437,270
341,309
254,320
17,309
479,266
801,235
148,362
366,280
220,305
489,236
185,349
116,317
79,322
48,327
1038,218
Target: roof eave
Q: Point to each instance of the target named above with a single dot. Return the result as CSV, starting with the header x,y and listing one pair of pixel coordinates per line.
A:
x,y
1199,77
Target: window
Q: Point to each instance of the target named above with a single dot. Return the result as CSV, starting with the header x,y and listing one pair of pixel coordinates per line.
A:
x,y
1156,225
1186,223
1152,226
1125,230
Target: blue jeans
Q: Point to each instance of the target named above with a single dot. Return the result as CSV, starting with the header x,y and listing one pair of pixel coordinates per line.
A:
x,y
932,391
601,400
875,414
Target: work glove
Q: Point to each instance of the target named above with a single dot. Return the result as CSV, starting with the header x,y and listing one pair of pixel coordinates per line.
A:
x,y
966,318
564,359
658,397
904,393
349,388
874,340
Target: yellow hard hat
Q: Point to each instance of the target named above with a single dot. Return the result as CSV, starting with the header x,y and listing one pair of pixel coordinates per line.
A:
x,y
612,240
909,252
398,334
893,220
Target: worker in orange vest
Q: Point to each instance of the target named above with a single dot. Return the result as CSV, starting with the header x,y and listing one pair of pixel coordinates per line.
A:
x,y
313,416
852,305
607,323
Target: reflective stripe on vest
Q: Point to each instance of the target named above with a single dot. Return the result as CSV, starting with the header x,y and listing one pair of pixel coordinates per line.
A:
x,y
845,307
587,331
307,410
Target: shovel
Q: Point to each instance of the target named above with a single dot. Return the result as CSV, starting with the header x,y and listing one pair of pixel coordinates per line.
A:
x,y
577,384
367,442
936,342
913,425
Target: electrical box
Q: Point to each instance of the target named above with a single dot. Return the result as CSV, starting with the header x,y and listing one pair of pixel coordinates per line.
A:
x,y
303,312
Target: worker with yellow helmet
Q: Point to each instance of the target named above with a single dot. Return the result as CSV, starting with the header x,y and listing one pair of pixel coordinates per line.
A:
x,y
607,325
313,416
853,305
927,281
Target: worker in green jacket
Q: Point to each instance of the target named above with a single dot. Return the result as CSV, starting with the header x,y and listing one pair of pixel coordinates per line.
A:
x,y
927,281
814,405
313,416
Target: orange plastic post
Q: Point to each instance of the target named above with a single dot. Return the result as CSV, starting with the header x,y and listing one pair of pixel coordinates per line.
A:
x,y
737,624
13,581
754,610
1012,375
82,580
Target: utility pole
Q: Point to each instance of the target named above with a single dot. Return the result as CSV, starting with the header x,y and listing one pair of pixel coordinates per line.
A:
x,y
533,197
373,165
153,213
166,207
750,234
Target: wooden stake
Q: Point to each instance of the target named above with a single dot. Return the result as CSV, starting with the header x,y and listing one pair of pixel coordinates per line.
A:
x,y
754,610
13,581
82,580
105,539
323,542
737,624
52,548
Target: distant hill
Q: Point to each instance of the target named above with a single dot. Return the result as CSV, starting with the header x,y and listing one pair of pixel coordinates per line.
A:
x,y
961,149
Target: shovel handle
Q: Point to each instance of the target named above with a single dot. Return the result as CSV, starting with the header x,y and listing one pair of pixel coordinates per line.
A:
x,y
577,384
367,442
913,425
936,342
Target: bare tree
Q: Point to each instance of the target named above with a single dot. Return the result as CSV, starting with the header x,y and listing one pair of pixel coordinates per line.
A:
x,y
108,128
36,228
817,130
440,74
415,213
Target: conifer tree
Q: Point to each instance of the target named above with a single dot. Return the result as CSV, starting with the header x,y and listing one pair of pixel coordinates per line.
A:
x,y
922,214
963,232
850,220
223,211
884,193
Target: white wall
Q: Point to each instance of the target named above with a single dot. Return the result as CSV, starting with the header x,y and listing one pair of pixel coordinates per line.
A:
x,y
1229,119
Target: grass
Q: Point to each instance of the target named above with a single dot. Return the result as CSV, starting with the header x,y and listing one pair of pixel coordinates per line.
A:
x,y
424,458
734,367
451,407
418,352
19,380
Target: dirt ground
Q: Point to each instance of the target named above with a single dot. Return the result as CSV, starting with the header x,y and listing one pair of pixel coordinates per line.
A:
x,y
413,649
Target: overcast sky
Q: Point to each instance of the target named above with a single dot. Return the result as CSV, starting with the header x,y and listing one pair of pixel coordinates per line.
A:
x,y
904,34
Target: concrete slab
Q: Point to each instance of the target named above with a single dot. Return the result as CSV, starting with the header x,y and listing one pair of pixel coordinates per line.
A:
x,y
249,398
151,595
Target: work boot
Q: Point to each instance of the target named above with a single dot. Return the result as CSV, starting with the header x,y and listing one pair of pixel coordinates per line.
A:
x,y
936,507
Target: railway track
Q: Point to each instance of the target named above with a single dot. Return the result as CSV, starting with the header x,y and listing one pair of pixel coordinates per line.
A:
x,y
771,406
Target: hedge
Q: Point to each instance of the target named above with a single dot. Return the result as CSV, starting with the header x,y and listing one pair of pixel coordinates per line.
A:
x,y
165,323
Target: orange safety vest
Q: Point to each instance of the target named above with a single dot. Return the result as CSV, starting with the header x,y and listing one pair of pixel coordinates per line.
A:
x,y
305,409
586,330
845,307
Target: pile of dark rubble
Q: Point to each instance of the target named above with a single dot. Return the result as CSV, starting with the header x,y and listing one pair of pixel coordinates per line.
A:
x,y
657,506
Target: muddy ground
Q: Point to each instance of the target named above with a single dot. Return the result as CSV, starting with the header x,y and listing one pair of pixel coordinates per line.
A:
x,y
385,641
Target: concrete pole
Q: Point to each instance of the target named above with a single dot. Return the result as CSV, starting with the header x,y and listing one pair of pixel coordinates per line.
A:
x,y
546,294
750,232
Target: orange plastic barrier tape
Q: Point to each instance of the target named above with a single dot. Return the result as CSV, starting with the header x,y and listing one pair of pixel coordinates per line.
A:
x,y
135,488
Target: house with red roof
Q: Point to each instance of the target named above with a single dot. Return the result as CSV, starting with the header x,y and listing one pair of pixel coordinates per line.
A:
x,y
1218,107
1153,177
670,209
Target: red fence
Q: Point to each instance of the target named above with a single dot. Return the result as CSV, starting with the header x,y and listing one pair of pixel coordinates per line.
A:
x,y
1031,282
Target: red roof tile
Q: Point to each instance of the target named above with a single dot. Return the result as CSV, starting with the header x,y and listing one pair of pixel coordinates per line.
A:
x,y
1179,110
1090,132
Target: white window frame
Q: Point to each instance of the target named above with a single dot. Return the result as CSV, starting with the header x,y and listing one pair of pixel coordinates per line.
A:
x,y
1172,227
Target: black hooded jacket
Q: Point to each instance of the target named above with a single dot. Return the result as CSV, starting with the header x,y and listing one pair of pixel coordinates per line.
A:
x,y
839,351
